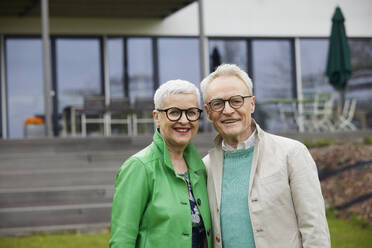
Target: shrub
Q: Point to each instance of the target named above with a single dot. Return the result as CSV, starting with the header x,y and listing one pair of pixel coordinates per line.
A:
x,y
368,140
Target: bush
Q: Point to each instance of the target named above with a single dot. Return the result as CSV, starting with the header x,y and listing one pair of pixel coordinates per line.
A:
x,y
368,140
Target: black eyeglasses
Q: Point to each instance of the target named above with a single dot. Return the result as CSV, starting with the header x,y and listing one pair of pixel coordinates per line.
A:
x,y
174,114
235,102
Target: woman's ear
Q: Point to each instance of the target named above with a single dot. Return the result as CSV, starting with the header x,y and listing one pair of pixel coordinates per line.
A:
x,y
156,115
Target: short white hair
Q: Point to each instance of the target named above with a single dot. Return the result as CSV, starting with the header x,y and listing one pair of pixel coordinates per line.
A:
x,y
173,87
225,70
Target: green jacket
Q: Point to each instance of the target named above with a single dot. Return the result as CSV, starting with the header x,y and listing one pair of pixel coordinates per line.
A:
x,y
151,207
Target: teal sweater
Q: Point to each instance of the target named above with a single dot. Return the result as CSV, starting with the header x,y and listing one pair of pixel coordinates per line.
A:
x,y
236,223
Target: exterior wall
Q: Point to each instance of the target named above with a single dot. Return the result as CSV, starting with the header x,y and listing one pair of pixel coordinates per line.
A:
x,y
304,18
238,18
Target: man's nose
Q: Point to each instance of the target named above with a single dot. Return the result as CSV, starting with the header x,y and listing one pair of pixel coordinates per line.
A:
x,y
228,109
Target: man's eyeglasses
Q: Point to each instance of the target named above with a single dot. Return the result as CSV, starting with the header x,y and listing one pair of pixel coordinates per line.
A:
x,y
174,114
235,102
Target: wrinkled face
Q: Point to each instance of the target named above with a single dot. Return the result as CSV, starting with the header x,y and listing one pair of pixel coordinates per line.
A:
x,y
232,124
177,134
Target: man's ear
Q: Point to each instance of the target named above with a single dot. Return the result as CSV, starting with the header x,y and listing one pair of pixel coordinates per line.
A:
x,y
207,111
156,115
253,103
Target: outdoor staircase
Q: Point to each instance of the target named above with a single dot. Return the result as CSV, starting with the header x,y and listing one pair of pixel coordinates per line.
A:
x,y
52,185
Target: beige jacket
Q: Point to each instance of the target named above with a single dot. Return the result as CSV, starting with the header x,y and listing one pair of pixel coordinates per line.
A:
x,y
285,200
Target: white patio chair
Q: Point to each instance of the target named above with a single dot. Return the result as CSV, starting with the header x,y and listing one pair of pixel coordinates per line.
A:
x,y
92,112
120,112
323,112
343,122
142,115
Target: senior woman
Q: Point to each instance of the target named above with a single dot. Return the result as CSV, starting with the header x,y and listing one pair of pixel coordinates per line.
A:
x,y
160,197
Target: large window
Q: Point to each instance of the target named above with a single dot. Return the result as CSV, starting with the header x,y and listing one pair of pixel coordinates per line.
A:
x,y
78,70
228,52
140,68
179,59
24,83
273,79
1,96
313,65
115,49
360,84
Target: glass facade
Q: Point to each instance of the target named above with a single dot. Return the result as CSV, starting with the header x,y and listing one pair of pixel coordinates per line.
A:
x,y
360,84
228,52
136,65
25,93
273,79
179,59
115,50
1,106
78,64
313,65
140,68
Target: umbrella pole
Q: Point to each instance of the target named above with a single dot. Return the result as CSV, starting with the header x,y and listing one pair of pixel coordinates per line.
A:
x,y
339,102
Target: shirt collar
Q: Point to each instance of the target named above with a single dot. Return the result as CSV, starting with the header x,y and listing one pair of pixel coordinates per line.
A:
x,y
242,145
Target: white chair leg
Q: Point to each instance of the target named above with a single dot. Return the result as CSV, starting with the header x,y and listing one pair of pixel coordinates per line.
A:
x,y
83,125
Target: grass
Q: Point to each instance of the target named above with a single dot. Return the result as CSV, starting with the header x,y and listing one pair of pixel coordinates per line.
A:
x,y
350,233
344,234
62,240
319,143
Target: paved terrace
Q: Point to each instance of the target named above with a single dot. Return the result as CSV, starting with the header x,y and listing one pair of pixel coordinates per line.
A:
x,y
49,185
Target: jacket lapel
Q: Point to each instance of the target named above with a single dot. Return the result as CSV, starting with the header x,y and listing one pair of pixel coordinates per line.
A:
x,y
256,156
216,170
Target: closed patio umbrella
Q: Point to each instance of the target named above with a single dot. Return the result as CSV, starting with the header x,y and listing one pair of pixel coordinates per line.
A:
x,y
216,59
339,62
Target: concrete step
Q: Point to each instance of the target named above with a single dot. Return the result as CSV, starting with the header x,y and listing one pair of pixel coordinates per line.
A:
x,y
59,162
32,197
57,178
63,145
55,215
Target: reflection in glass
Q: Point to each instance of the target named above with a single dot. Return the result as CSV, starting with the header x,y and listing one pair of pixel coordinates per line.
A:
x,y
24,83
360,84
229,52
1,107
140,68
313,65
273,79
179,59
78,70
116,67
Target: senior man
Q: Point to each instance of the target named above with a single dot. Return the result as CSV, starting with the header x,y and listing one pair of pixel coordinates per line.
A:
x,y
263,189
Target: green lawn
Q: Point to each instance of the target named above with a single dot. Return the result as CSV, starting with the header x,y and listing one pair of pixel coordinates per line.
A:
x,y
343,235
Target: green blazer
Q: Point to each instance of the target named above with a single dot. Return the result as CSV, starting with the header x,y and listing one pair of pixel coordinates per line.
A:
x,y
151,207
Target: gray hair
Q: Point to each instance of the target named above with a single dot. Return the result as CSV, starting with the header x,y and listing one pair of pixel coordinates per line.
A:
x,y
174,87
226,70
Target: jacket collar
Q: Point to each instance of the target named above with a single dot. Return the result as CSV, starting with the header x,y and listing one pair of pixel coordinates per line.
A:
x,y
190,154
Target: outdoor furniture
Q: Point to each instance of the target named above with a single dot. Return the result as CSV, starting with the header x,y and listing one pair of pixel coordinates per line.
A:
x,y
142,114
309,114
343,122
323,112
93,112
119,111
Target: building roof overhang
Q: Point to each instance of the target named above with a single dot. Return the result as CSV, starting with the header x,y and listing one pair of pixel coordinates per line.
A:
x,y
139,9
